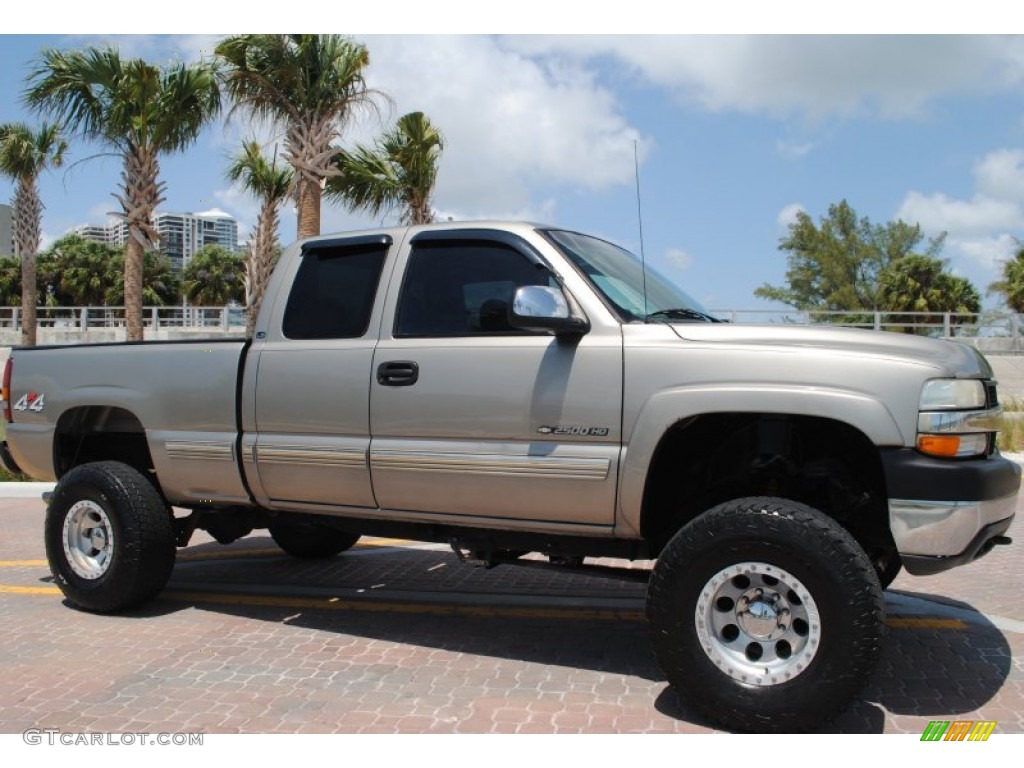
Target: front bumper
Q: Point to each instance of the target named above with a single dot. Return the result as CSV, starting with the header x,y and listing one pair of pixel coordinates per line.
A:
x,y
946,513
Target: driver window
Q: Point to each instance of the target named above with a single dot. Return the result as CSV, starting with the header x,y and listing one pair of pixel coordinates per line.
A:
x,y
463,288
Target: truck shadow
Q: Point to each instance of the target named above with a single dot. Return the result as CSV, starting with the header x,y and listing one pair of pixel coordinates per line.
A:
x,y
551,633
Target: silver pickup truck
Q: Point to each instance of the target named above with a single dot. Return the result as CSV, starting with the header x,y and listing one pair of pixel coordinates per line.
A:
x,y
515,388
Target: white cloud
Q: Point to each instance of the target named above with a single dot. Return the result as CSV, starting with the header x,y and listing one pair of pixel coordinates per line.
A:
x,y
678,259
788,215
1000,174
980,215
895,76
513,124
984,229
988,252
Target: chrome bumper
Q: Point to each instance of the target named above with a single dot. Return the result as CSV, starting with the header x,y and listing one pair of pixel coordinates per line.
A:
x,y
944,528
935,536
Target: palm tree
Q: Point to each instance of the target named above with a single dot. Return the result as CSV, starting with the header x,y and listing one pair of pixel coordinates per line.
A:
x,y
141,111
10,281
84,271
309,85
213,276
24,155
271,185
400,170
1012,285
161,284
919,283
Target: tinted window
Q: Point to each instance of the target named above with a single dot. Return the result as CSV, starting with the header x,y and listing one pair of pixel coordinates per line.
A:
x,y
463,288
333,293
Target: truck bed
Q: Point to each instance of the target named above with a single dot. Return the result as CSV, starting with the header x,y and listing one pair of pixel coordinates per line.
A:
x,y
184,392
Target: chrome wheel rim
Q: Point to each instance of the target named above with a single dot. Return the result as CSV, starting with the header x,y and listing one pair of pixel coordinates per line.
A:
x,y
758,623
88,540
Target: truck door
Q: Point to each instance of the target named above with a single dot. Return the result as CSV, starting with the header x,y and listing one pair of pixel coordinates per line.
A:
x,y
312,380
474,419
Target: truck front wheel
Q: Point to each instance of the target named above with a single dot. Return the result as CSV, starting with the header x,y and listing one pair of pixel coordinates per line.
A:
x,y
766,615
109,537
310,541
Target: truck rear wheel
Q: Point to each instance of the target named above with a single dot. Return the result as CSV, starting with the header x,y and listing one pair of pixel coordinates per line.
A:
x,y
109,537
766,615
310,541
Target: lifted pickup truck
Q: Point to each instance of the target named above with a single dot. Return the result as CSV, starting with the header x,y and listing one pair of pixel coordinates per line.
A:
x,y
514,388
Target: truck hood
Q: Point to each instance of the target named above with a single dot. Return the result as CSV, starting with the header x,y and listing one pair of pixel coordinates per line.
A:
x,y
952,358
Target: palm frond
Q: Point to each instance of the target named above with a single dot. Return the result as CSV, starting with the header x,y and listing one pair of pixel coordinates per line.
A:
x,y
399,170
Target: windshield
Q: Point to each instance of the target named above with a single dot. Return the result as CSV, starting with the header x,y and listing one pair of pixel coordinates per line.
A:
x,y
618,275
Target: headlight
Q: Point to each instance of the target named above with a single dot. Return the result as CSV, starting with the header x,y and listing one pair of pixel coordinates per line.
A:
x,y
953,422
952,394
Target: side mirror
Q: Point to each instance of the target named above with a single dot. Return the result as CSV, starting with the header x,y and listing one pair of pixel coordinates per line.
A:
x,y
541,308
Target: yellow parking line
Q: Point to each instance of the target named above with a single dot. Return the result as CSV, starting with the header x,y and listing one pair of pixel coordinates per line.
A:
x,y
445,609
382,542
337,604
10,589
219,554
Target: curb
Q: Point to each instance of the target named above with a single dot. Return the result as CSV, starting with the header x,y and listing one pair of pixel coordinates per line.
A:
x,y
24,490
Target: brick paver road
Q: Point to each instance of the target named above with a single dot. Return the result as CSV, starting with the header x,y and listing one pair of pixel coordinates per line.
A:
x,y
395,637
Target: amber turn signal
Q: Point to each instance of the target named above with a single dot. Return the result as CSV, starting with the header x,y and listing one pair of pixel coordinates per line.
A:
x,y
939,445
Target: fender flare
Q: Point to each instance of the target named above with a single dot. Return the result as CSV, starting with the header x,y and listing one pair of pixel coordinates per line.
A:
x,y
666,408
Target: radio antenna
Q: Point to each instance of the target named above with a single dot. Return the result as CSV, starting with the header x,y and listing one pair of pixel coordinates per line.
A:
x,y
640,223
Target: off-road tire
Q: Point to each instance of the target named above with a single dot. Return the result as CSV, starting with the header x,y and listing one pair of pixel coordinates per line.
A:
x,y
309,541
695,605
109,537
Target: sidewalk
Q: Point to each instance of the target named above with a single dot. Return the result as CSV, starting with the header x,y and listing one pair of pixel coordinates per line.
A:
x,y
24,490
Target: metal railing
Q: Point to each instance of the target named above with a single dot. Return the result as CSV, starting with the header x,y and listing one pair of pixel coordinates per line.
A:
x,y
947,324
994,331
223,319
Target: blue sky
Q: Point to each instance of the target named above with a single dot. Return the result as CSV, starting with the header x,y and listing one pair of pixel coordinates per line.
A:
x,y
735,133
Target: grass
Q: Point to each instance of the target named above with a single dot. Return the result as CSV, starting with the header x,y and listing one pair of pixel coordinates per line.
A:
x,y
5,476
1011,436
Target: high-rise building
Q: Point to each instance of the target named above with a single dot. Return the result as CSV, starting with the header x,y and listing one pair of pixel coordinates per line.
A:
x,y
6,231
181,234
99,233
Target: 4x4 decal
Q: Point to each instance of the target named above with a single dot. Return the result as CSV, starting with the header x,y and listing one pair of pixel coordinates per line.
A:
x,y
32,401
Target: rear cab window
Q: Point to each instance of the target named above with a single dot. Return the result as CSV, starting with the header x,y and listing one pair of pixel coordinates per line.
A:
x,y
334,289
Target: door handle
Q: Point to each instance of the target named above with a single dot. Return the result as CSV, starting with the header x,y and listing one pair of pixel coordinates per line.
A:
x,y
398,373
